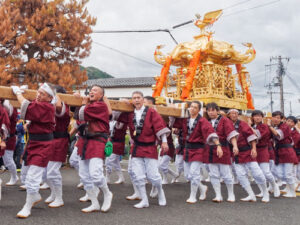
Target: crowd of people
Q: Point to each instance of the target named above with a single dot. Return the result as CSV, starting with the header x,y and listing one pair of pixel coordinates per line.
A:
x,y
212,146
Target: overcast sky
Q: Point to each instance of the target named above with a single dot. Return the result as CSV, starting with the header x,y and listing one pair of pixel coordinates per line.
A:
x,y
273,30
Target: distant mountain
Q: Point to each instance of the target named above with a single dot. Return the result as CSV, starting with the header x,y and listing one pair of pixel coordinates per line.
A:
x,y
95,73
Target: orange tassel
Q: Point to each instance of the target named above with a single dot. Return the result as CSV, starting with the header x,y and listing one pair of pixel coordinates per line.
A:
x,y
246,89
191,74
163,76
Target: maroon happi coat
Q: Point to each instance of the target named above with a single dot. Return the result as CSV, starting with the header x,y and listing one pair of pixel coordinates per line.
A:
x,y
12,113
4,125
285,154
246,135
225,131
119,132
77,125
271,149
264,135
178,124
296,139
202,134
171,150
42,121
154,126
61,135
97,117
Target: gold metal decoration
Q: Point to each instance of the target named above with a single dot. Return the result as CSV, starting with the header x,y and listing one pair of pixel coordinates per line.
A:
x,y
204,69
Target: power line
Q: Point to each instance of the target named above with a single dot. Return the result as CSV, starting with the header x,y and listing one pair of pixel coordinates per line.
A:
x,y
236,4
184,23
255,7
126,54
293,81
141,31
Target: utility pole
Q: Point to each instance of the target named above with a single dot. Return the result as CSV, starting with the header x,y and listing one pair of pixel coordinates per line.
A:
x,y
270,92
280,73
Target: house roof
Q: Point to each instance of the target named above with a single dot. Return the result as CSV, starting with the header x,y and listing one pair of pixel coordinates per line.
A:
x,y
123,82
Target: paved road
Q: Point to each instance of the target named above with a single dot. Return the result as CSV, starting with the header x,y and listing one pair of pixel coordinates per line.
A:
x,y
278,211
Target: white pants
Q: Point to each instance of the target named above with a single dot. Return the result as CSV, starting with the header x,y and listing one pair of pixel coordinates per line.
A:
x,y
24,171
206,165
74,159
91,173
192,172
217,171
265,167
33,179
143,168
242,174
233,170
179,163
273,167
44,177
285,172
164,162
130,171
53,174
113,162
8,159
298,171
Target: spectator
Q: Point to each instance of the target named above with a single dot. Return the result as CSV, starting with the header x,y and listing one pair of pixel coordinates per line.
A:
x,y
21,126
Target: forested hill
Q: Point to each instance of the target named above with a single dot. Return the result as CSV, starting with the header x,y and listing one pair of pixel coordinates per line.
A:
x,y
95,73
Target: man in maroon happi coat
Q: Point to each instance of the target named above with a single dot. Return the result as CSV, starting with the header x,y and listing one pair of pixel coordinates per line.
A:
x,y
220,160
41,113
285,156
95,112
59,155
197,132
4,132
292,122
8,157
146,127
117,137
245,160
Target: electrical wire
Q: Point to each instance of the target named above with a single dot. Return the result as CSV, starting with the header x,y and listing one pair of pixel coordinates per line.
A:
x,y
138,31
288,74
255,7
126,54
236,4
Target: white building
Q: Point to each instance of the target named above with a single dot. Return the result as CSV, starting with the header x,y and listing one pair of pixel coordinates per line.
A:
x,y
123,87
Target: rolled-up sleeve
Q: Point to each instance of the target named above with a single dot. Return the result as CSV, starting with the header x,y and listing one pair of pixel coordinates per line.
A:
x,y
81,113
23,109
280,135
62,112
165,131
231,135
210,139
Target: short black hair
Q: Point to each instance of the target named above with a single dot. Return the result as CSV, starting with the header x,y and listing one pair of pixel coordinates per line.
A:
x,y
150,98
294,119
278,113
198,103
257,112
60,89
212,105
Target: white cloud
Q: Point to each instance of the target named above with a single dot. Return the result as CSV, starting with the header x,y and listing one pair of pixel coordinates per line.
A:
x,y
273,30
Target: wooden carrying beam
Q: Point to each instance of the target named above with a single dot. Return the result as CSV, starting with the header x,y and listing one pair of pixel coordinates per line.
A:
x,y
6,93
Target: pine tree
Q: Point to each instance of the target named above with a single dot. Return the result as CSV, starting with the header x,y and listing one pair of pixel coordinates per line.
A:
x,y
44,41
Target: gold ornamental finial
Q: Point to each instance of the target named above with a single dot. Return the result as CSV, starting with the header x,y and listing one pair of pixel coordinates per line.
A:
x,y
208,19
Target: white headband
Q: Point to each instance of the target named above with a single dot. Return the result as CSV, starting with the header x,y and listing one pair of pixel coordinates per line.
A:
x,y
47,88
232,110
